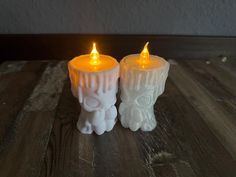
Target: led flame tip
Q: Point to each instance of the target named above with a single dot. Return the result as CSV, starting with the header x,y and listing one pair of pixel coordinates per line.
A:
x,y
144,55
145,47
94,56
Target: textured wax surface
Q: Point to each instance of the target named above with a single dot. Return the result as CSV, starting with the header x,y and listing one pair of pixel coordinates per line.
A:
x,y
154,62
188,17
96,93
82,63
139,92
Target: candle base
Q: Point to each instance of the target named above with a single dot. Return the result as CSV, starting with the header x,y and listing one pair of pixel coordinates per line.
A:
x,y
136,118
97,121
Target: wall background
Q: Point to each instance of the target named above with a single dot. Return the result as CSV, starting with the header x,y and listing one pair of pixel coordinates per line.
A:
x,y
173,17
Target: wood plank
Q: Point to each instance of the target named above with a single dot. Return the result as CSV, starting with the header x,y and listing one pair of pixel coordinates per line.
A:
x,y
194,137
182,144
219,83
116,154
229,65
221,122
68,153
71,153
22,154
217,80
11,66
167,152
17,80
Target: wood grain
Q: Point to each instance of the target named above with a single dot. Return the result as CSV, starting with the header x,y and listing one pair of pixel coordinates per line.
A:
x,y
117,155
22,154
170,150
71,153
221,122
218,81
17,80
228,65
195,135
219,84
218,73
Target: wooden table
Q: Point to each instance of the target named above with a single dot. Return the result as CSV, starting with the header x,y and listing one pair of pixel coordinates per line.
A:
x,y
195,136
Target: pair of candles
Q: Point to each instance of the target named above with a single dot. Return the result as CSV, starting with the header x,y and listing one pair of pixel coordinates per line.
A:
x,y
94,81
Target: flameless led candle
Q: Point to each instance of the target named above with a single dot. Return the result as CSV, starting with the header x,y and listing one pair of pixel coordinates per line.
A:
x,y
142,80
94,80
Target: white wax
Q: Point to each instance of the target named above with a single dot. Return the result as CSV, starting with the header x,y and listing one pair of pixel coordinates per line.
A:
x,y
140,87
96,90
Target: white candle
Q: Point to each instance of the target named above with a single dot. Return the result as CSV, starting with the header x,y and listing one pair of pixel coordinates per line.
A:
x,y
143,78
94,81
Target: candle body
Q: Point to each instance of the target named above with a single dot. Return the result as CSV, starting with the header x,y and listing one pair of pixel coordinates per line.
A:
x,y
140,87
96,91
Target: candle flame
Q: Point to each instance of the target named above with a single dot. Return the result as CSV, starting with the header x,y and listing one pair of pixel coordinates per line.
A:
x,y
144,55
94,56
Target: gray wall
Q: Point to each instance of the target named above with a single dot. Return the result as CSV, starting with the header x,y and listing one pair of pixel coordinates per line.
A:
x,y
187,17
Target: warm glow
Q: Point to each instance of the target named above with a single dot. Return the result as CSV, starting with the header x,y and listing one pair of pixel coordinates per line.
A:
x,y
94,56
144,56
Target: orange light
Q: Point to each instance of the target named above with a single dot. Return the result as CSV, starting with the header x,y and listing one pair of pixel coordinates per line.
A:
x,y
94,56
144,56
